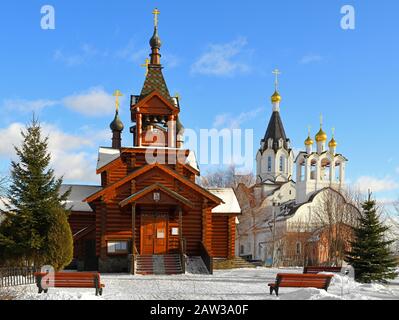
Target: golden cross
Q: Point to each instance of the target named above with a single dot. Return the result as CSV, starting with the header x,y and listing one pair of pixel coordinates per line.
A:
x,y
309,129
146,64
117,94
276,72
177,95
156,12
333,132
321,120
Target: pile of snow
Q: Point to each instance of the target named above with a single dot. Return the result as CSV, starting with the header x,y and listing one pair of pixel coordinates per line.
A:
x,y
344,288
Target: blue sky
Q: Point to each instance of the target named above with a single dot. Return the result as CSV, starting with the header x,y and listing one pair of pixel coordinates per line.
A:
x,y
219,58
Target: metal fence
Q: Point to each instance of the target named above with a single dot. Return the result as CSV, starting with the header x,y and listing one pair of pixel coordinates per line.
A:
x,y
11,277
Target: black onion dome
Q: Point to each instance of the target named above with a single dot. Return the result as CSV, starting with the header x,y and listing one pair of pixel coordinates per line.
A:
x,y
117,124
155,41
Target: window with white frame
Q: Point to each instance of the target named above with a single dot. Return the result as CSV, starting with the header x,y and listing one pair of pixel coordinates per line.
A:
x,y
269,164
282,163
117,247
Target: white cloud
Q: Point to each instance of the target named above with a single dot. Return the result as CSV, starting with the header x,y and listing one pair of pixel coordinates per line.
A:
x,y
25,106
93,102
70,60
170,60
85,53
365,183
132,54
69,157
227,120
222,59
11,136
311,58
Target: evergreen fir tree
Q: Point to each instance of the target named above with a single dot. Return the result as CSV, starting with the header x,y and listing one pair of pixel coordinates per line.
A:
x,y
370,255
34,205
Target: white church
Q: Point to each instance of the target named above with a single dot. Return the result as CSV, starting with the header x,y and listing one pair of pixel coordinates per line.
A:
x,y
283,203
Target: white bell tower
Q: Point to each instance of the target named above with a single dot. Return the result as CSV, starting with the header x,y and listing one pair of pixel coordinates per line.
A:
x,y
275,159
320,168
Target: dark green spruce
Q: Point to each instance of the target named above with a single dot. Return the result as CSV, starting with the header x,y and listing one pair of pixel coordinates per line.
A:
x,y
35,229
371,256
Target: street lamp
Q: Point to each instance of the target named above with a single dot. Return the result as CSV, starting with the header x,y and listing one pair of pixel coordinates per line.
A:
x,y
275,204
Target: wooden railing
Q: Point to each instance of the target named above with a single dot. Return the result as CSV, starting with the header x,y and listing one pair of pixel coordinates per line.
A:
x,y
182,252
206,257
134,255
10,277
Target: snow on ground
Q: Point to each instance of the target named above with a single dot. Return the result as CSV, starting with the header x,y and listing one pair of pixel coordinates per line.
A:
x,y
236,284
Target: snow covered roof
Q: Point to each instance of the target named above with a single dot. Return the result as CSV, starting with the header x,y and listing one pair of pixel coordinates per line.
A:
x,y
106,155
3,202
78,193
192,160
229,198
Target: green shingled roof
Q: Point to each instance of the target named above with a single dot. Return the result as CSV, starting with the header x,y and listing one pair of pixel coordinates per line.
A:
x,y
155,81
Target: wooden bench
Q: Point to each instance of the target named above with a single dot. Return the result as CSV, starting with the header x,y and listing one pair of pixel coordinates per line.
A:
x,y
70,280
315,270
299,280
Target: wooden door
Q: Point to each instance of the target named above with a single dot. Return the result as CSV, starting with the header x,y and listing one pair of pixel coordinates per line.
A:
x,y
154,234
161,234
90,259
147,234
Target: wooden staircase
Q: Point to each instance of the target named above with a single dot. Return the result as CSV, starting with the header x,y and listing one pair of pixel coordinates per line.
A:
x,y
235,263
159,264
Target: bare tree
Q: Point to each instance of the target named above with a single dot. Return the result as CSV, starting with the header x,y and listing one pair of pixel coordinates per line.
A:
x,y
226,178
392,220
334,217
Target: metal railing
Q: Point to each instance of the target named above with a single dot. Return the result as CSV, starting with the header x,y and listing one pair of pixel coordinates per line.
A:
x,y
11,277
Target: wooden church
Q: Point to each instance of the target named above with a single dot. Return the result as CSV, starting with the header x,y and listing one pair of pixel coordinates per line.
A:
x,y
149,216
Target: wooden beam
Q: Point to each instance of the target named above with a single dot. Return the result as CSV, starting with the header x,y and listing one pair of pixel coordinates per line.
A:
x,y
180,223
132,268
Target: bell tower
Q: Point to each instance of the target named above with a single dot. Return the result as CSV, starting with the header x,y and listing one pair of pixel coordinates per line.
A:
x,y
320,168
275,158
155,112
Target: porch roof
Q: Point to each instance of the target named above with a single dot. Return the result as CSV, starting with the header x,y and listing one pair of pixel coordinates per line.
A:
x,y
166,170
149,189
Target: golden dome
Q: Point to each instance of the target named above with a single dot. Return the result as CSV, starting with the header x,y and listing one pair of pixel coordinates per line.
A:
x,y
333,143
276,97
321,136
308,141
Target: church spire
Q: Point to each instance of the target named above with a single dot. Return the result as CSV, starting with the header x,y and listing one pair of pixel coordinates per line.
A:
x,y
275,158
155,41
275,130
154,80
276,98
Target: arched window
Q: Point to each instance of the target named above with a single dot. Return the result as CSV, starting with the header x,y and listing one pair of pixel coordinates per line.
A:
x,y
313,170
337,172
282,162
269,164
